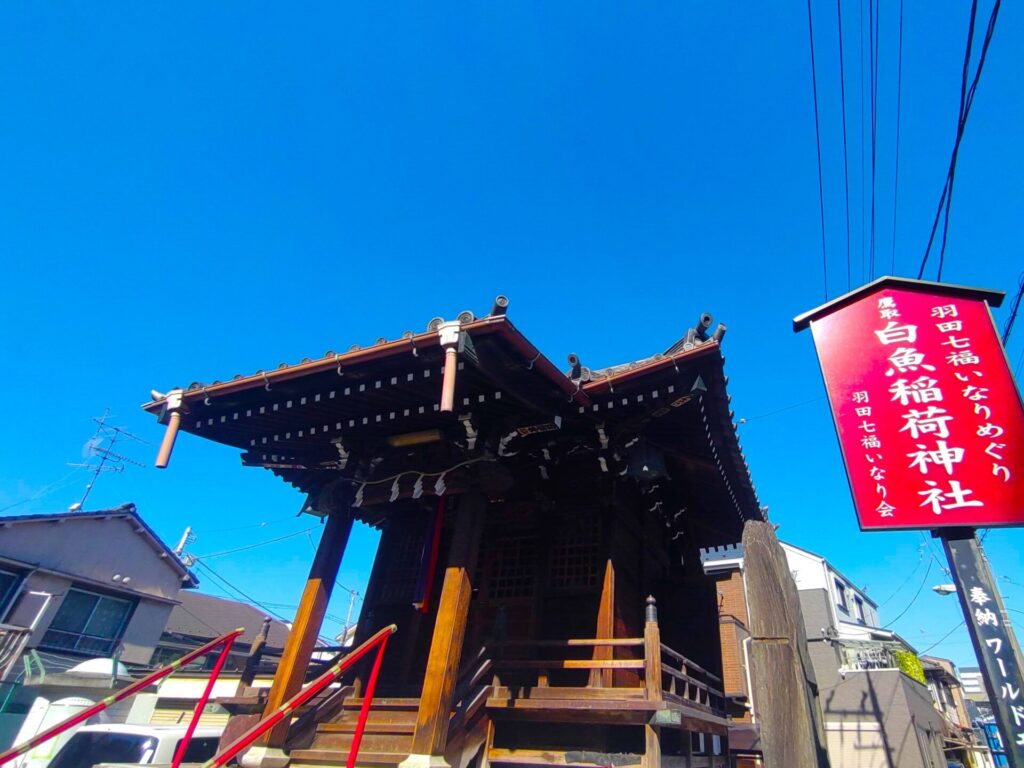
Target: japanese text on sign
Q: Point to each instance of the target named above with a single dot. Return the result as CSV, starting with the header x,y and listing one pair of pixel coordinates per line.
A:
x,y
929,419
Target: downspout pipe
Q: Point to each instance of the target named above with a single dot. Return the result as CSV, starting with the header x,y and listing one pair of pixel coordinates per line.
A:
x,y
450,335
171,412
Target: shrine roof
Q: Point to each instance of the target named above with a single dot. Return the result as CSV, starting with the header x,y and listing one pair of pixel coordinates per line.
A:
x,y
301,421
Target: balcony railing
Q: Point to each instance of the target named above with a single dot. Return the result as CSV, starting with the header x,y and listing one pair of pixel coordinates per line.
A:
x,y
867,657
12,643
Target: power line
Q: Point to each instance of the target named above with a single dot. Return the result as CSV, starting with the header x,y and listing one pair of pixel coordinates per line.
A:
x,y
873,77
966,101
920,559
254,546
817,135
45,490
896,176
215,631
863,171
229,585
916,594
939,642
1013,312
846,153
263,524
781,410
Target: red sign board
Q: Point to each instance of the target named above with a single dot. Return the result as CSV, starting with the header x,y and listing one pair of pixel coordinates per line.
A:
x,y
929,419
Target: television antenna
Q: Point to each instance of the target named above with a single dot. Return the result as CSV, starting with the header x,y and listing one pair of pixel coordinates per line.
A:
x,y
100,456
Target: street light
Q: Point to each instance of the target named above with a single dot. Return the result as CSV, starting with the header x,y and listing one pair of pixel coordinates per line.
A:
x,y
944,589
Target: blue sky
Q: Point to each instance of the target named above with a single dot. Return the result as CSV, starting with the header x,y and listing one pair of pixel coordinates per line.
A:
x,y
193,191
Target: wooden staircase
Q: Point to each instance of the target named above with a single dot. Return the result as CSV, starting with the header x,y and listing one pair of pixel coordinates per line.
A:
x,y
387,739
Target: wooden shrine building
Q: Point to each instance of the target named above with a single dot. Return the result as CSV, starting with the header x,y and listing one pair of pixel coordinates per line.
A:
x,y
540,539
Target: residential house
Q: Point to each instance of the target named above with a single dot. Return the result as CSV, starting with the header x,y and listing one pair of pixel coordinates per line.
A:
x,y
76,587
875,705
196,620
948,697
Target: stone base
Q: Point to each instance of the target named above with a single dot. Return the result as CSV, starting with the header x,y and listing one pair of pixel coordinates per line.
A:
x,y
424,761
263,757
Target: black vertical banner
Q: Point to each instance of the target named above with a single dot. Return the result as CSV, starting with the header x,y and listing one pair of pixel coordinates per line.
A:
x,y
992,635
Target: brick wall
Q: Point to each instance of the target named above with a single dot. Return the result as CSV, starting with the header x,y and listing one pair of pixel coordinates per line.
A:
x,y
733,631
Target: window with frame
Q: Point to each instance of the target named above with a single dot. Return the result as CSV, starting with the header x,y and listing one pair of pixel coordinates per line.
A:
x,y
88,622
858,609
8,586
841,596
513,567
574,554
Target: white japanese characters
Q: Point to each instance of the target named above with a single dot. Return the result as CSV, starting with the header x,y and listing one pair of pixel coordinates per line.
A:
x,y
941,441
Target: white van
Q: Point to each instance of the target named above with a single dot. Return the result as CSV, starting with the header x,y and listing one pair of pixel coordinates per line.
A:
x,y
135,744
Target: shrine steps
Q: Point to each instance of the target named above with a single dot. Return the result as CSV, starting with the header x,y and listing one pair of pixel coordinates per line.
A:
x,y
387,738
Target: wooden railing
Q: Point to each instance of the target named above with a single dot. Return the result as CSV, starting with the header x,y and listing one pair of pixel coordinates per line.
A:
x,y
638,667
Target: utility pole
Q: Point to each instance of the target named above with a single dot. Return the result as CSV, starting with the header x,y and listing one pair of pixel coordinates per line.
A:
x,y
186,539
991,634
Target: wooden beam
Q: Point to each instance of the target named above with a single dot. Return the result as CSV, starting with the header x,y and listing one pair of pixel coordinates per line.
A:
x,y
309,616
605,626
431,735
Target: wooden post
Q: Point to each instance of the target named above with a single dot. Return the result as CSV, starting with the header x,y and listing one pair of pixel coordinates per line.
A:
x,y
652,652
652,747
431,735
298,649
602,678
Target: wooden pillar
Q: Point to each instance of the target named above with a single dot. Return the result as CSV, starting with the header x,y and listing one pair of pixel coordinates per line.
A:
x,y
652,747
602,678
652,652
431,735
309,616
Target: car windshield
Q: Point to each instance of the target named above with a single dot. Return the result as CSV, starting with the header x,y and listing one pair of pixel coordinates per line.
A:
x,y
86,749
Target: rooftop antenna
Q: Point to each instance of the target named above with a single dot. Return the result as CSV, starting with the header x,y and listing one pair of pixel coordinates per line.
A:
x,y
108,459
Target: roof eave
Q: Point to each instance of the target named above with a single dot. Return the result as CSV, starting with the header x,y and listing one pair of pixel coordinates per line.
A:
x,y
597,386
429,339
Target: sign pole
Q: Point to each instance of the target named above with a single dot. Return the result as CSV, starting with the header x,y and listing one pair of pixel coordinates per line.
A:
x,y
992,635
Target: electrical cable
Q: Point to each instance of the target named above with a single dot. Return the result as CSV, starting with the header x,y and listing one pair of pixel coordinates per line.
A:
x,y
960,121
863,170
967,100
254,546
247,527
939,642
231,586
817,134
1013,312
216,632
920,559
917,594
873,78
846,152
780,410
46,489
896,175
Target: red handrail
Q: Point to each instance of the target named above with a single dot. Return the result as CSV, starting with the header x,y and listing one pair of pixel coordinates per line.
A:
x,y
124,693
179,753
378,640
